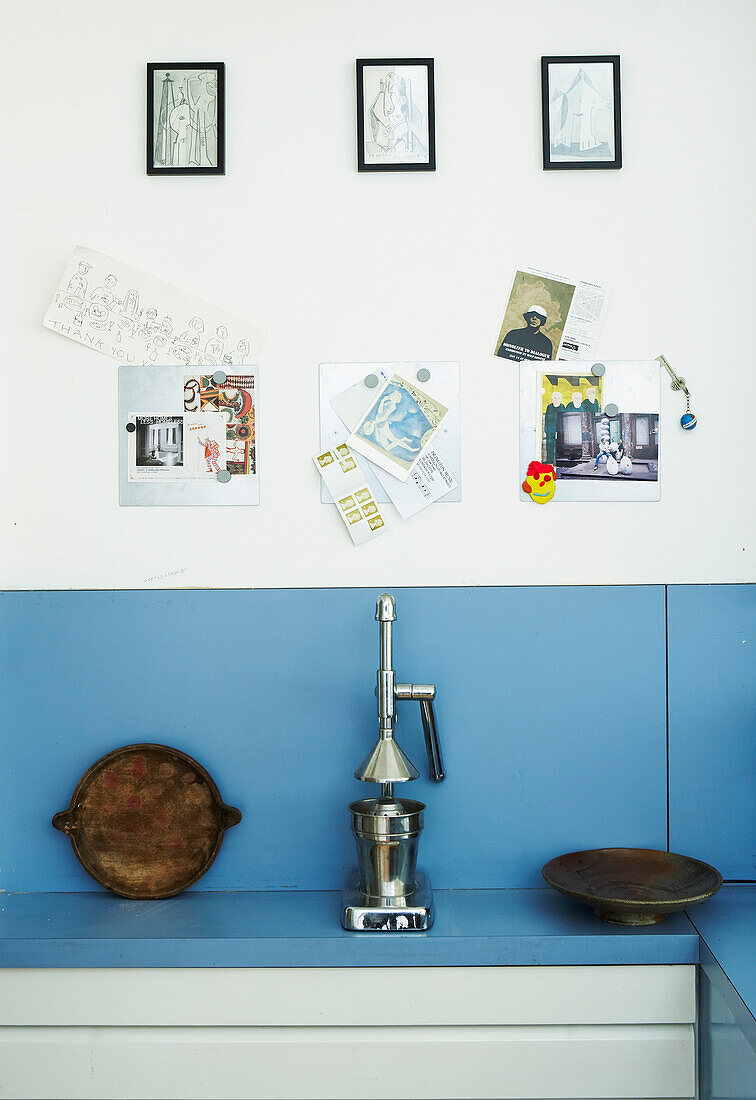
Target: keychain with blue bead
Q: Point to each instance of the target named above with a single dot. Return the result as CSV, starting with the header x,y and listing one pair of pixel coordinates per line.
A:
x,y
687,420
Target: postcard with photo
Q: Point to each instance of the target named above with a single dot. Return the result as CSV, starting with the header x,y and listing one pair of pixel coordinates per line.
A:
x,y
180,447
599,431
235,400
353,497
550,316
346,390
399,424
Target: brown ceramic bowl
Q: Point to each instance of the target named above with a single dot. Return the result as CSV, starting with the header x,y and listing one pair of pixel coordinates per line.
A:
x,y
146,821
632,885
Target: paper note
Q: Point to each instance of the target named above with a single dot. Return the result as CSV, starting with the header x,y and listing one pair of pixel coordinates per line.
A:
x,y
135,318
400,424
429,480
180,447
352,496
550,316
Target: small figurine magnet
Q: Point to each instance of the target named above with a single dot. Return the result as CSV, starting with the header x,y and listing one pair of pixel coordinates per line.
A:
x,y
540,482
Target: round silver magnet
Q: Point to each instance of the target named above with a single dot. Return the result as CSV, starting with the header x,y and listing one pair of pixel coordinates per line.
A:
x,y
371,381
223,476
131,427
219,377
598,369
423,375
610,409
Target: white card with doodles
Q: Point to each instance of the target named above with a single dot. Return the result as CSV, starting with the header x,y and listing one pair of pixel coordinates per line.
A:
x,y
353,497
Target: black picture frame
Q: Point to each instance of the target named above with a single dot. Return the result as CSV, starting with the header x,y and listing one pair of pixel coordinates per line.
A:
x,y
364,165
218,169
581,160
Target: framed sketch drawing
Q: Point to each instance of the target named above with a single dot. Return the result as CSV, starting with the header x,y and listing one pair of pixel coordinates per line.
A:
x,y
186,104
396,115
580,99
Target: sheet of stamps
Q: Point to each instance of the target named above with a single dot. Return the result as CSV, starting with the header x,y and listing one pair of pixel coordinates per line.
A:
x,y
180,447
400,424
235,400
354,500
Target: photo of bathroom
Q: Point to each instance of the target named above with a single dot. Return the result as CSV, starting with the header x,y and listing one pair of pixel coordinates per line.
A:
x,y
159,440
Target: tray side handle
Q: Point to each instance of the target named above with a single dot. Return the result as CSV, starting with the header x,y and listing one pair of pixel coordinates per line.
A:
x,y
64,821
230,816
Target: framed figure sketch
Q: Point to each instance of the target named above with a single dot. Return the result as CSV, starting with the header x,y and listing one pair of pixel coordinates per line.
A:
x,y
186,105
396,115
580,99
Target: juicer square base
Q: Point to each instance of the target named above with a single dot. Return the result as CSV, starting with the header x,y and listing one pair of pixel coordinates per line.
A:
x,y
412,913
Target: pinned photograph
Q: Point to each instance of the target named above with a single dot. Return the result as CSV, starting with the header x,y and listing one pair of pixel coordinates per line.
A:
x,y
581,112
399,424
585,438
600,432
186,447
159,441
186,118
395,115
535,317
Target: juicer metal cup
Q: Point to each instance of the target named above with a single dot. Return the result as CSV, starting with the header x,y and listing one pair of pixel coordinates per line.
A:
x,y
387,831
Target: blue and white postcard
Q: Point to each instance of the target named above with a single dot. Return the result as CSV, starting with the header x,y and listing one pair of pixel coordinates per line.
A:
x,y
400,424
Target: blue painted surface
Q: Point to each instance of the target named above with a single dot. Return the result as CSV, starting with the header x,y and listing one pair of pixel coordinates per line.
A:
x,y
712,725
269,928
727,925
552,741
726,1051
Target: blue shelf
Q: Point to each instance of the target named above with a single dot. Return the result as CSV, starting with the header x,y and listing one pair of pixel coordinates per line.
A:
x,y
301,928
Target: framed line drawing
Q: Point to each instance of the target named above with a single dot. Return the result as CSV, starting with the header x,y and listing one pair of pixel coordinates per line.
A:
x,y
186,118
580,101
396,124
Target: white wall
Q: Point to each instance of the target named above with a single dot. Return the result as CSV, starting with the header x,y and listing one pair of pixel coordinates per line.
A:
x,y
294,238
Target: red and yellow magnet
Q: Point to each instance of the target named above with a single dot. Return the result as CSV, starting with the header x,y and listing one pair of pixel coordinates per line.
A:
x,y
540,482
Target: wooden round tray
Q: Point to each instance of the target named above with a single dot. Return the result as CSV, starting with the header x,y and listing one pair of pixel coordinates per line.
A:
x,y
632,885
146,821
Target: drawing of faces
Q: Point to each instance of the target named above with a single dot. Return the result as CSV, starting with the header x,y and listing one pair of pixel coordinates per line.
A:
x,y
99,315
242,352
556,399
183,352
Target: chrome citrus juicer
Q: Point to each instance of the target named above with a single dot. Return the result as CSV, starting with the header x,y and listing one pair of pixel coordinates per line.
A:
x,y
387,893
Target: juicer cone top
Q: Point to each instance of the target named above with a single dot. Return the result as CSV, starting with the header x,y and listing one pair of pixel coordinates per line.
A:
x,y
386,763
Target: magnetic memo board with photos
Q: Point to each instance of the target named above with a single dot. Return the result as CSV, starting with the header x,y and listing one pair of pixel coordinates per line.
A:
x,y
577,421
160,392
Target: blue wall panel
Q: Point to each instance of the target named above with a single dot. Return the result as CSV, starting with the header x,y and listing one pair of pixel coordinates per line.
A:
x,y
551,709
712,725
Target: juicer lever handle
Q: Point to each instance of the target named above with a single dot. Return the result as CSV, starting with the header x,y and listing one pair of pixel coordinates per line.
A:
x,y
432,746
